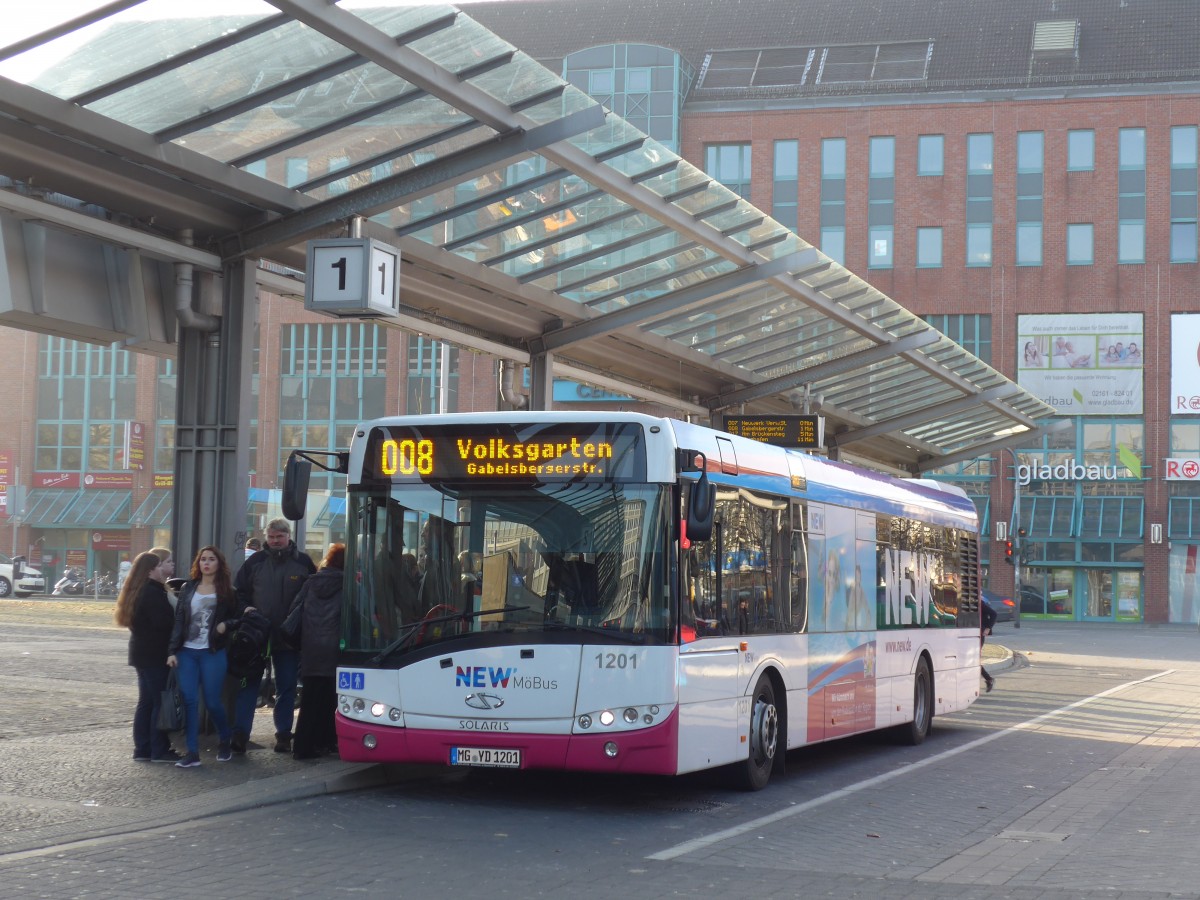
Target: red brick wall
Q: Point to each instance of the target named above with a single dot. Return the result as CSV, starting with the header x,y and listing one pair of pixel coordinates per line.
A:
x,y
1156,288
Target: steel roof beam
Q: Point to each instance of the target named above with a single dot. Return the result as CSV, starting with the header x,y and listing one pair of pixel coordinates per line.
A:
x,y
64,28
665,303
929,463
180,60
824,370
927,414
411,185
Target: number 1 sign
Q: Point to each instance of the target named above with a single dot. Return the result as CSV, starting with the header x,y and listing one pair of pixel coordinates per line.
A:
x,y
353,277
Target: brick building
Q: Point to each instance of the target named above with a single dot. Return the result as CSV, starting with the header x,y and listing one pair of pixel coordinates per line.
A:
x,y
1020,174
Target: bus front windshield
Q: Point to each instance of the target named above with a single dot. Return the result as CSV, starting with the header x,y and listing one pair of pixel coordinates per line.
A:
x,y
431,564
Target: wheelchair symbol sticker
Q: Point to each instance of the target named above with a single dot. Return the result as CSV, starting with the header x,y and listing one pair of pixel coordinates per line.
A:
x,y
352,681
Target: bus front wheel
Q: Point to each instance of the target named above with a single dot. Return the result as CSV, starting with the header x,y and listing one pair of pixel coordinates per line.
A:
x,y
916,731
755,772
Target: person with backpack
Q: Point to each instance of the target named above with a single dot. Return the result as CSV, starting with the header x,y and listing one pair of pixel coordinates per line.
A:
x,y
202,613
247,656
269,581
318,607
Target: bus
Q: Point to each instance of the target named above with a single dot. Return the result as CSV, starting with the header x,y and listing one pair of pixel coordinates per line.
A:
x,y
622,593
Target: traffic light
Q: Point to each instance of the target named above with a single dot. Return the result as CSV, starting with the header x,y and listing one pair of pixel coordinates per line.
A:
x,y
1008,552
1022,546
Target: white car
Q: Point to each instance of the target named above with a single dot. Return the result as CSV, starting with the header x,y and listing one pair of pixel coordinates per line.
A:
x,y
32,581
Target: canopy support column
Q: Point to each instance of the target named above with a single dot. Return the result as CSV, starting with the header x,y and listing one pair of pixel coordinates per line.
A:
x,y
212,414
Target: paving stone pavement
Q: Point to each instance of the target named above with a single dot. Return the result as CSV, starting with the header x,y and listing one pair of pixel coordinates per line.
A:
x,y
1122,827
66,767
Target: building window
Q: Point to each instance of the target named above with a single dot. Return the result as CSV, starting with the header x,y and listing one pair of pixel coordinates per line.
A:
x,y
881,194
1030,176
331,378
786,189
971,332
432,376
880,238
295,171
1131,196
1183,194
1081,151
86,394
641,83
730,165
979,154
930,154
979,245
1029,243
929,248
979,200
1079,245
833,244
833,199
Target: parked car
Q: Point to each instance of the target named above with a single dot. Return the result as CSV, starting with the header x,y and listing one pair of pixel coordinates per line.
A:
x,y
1033,601
30,582
1006,609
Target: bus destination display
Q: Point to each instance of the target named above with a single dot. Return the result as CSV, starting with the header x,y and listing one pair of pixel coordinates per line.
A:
x,y
796,432
495,452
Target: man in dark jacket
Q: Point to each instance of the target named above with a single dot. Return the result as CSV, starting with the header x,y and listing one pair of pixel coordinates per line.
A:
x,y
269,581
987,618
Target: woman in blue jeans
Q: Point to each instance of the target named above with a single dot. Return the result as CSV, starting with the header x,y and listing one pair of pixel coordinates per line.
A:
x,y
197,647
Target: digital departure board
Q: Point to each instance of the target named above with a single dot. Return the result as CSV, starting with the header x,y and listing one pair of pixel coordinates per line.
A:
x,y
558,452
797,432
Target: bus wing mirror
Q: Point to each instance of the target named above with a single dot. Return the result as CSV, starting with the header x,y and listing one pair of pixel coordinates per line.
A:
x,y
295,486
701,503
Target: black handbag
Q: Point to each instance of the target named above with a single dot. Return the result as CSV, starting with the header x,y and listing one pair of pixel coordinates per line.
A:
x,y
170,706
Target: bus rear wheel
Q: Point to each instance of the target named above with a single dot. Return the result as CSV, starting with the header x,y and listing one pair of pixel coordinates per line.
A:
x,y
918,729
755,772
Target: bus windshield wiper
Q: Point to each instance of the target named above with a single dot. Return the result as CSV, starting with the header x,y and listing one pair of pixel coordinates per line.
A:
x,y
411,628
625,636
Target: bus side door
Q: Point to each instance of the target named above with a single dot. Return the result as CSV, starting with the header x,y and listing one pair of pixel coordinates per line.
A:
x,y
708,703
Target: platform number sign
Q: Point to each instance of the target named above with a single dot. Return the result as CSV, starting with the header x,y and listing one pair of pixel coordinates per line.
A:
x,y
353,277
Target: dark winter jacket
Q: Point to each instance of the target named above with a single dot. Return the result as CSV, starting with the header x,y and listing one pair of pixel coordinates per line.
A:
x,y
150,626
987,618
320,628
270,580
183,619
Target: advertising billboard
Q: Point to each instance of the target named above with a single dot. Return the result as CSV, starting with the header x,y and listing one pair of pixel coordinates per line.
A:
x,y
1083,364
1185,364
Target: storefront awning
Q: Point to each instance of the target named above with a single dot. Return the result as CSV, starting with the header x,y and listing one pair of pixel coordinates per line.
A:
x,y
58,508
154,511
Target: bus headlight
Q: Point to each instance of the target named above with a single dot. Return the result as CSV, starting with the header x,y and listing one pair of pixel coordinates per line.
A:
x,y
630,714
585,721
607,718
377,709
610,749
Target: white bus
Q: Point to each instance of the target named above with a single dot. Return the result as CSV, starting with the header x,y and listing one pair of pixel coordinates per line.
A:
x,y
615,592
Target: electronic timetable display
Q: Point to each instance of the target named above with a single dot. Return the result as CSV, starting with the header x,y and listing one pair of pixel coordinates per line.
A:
x,y
529,452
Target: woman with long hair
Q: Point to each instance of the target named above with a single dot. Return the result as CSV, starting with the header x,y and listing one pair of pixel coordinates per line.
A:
x,y
197,647
144,608
320,602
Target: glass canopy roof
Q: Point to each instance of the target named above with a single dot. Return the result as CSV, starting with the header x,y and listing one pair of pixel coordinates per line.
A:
x,y
614,254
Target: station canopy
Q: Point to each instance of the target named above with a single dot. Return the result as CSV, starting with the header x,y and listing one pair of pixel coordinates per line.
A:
x,y
531,221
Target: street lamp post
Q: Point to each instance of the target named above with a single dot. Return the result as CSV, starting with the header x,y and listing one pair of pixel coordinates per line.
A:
x,y
1018,544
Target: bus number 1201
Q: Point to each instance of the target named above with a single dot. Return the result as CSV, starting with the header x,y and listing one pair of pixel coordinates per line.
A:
x,y
616,660
406,457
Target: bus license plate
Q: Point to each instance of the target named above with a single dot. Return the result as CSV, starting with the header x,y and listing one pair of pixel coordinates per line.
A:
x,y
485,756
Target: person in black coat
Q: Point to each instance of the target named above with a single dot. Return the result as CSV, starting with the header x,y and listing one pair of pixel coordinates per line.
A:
x,y
987,618
144,608
319,607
